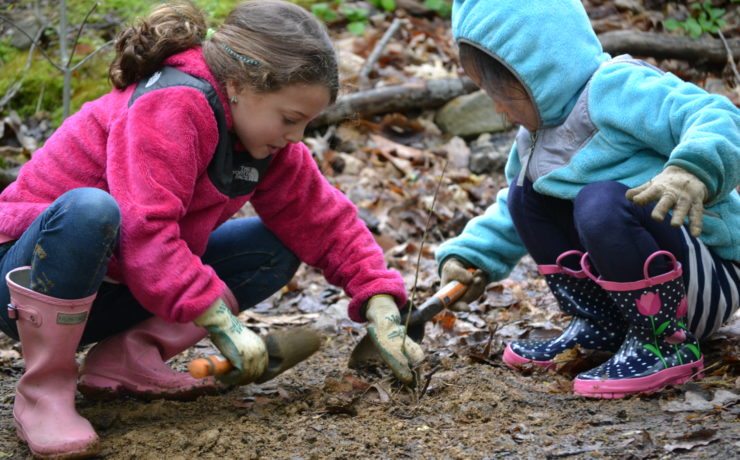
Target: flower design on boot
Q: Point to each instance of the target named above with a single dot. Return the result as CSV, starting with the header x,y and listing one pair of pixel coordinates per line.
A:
x,y
649,304
683,308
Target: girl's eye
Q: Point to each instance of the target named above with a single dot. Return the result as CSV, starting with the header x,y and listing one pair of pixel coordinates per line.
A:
x,y
288,121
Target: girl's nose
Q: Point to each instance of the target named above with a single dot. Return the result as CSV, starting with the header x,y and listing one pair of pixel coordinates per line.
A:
x,y
295,135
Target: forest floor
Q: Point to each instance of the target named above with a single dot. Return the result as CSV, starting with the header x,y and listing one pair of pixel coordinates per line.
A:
x,y
467,403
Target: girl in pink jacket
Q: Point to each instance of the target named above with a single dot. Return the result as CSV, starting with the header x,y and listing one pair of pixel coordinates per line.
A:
x,y
118,230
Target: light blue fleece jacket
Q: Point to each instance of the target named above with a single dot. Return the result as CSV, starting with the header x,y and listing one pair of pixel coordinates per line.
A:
x,y
644,120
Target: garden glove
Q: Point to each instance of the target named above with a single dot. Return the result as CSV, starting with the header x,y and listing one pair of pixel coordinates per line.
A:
x,y
677,189
389,336
243,348
454,270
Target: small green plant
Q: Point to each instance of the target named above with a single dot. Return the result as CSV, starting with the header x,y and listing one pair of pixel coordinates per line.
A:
x,y
385,5
705,18
325,11
442,7
356,17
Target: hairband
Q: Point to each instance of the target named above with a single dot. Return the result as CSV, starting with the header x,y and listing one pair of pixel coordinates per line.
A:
x,y
240,57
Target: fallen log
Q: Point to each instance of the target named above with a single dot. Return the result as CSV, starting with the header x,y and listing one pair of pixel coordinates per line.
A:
x,y
397,98
664,46
434,93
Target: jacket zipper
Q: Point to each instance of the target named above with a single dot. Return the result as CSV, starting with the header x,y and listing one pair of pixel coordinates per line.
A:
x,y
525,166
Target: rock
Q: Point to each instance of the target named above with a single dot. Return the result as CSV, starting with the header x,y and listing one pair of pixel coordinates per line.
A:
x,y
489,153
457,152
29,24
470,115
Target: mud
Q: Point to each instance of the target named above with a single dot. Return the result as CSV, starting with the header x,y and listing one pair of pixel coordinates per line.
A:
x,y
467,405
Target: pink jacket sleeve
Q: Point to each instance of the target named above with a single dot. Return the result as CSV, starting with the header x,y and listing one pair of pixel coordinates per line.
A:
x,y
320,225
155,155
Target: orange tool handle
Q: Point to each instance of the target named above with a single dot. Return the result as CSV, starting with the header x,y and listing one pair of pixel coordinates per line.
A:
x,y
446,296
211,365
452,291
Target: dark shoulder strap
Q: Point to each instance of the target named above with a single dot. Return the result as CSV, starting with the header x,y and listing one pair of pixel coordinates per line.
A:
x,y
233,175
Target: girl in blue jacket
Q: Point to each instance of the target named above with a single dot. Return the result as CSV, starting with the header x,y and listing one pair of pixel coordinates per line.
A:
x,y
622,187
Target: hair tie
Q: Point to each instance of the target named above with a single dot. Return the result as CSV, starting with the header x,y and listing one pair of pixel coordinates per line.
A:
x,y
245,59
209,33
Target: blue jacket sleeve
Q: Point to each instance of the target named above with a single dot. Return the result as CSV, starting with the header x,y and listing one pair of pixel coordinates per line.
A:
x,y
489,241
695,130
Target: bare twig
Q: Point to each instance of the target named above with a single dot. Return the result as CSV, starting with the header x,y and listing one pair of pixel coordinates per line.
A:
x,y
92,53
33,41
421,246
427,380
66,55
377,51
18,84
730,59
79,32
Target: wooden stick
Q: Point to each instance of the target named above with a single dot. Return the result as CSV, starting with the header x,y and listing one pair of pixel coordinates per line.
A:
x,y
669,46
397,98
377,51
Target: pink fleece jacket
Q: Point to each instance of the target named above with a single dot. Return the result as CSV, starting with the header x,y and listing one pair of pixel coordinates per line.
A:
x,y
153,158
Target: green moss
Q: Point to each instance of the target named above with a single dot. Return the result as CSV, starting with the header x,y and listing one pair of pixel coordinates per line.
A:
x,y
40,81
41,84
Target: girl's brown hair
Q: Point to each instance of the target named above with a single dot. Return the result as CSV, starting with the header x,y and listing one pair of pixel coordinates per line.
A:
x,y
264,45
491,73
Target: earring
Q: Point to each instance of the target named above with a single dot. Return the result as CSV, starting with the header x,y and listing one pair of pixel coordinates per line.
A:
x,y
233,99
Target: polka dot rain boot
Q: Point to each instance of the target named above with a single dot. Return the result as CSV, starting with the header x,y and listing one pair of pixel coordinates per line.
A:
x,y
596,324
658,350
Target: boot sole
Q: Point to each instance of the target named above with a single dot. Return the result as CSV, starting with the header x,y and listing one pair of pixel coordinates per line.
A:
x,y
106,389
619,388
515,361
90,450
95,393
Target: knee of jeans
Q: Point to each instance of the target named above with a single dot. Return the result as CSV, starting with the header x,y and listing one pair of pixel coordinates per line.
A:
x,y
599,208
95,208
287,263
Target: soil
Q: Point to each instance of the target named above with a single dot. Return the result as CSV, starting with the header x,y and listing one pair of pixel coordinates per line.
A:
x,y
467,403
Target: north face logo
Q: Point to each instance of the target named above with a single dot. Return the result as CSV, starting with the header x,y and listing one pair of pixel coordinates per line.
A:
x,y
247,174
153,79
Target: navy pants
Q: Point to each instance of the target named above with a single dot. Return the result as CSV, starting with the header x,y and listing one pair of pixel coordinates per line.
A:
x,y
69,245
618,234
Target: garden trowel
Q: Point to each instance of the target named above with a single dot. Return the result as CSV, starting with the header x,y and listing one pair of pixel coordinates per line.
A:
x,y
285,349
365,351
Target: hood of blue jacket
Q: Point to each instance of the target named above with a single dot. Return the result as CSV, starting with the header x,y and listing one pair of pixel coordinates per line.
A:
x,y
548,44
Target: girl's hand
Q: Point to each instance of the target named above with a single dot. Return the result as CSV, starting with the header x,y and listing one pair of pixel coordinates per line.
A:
x,y
389,336
674,189
454,270
243,348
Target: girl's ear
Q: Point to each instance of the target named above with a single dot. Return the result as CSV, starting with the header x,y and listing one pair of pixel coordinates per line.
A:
x,y
230,89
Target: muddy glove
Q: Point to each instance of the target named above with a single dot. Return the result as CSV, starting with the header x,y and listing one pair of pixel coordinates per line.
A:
x,y
243,348
454,270
389,336
677,189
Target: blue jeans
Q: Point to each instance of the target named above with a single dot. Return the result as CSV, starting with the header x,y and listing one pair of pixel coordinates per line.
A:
x,y
69,245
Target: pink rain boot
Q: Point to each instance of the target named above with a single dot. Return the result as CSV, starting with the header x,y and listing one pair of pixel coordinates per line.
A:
x,y
44,410
658,349
133,363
